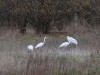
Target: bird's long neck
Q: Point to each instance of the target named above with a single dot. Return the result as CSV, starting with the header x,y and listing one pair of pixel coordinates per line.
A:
x,y
68,41
44,40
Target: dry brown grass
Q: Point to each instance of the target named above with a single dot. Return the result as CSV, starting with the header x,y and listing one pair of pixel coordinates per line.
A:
x,y
49,60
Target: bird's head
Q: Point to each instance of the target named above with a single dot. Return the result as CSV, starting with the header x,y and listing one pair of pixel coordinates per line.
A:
x,y
67,36
45,37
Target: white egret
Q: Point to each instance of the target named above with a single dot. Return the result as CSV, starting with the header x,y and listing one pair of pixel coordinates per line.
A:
x,y
30,47
41,43
65,44
72,40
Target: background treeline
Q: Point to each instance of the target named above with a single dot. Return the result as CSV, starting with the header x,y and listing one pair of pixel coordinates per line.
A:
x,y
43,14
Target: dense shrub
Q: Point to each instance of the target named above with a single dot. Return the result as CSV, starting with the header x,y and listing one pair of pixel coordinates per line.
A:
x,y
40,13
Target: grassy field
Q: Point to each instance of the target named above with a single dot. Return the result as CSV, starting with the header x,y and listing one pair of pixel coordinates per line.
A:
x,y
50,60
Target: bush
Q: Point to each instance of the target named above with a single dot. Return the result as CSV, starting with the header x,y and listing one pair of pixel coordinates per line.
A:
x,y
40,13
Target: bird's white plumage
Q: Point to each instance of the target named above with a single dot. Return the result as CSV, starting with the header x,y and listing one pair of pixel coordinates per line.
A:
x,y
72,40
41,43
30,47
65,44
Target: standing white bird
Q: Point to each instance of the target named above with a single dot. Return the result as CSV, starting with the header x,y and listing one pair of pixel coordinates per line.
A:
x,y
30,47
65,44
72,40
41,43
